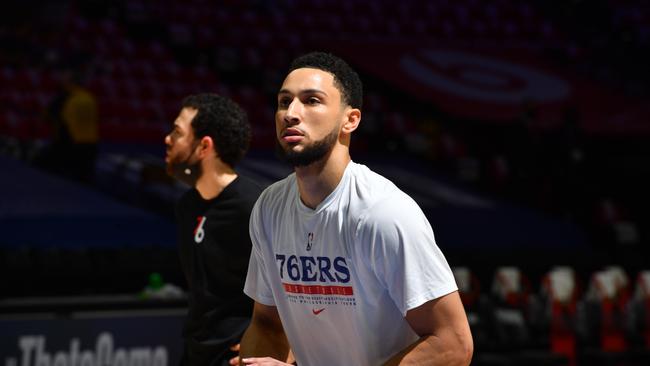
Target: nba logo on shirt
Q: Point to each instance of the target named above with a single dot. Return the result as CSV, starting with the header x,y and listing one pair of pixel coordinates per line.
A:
x,y
310,239
199,233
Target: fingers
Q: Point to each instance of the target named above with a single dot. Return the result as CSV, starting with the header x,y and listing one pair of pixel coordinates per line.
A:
x,y
234,361
263,361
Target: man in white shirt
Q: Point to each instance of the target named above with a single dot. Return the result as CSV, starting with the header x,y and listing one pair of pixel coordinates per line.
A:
x,y
344,267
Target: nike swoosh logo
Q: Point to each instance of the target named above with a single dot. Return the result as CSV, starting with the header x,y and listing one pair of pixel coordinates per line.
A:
x,y
316,312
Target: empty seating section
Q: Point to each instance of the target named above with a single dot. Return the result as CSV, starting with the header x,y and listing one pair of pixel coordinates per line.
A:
x,y
139,81
562,316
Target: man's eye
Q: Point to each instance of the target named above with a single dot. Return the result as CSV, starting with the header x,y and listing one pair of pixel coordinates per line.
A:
x,y
313,100
284,102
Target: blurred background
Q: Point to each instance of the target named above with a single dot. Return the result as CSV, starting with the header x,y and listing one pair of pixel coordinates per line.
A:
x,y
520,127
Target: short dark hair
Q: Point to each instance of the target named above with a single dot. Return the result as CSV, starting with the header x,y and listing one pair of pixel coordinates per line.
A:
x,y
224,121
345,78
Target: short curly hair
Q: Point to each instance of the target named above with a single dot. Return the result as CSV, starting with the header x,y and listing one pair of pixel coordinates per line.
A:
x,y
345,78
224,121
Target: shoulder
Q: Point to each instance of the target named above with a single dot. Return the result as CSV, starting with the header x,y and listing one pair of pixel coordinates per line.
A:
x,y
394,211
271,205
385,205
369,185
247,187
380,197
277,192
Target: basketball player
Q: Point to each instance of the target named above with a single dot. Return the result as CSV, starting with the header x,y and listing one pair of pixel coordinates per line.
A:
x,y
344,268
210,135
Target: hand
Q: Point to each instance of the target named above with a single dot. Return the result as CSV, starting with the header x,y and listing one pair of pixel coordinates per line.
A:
x,y
263,361
235,360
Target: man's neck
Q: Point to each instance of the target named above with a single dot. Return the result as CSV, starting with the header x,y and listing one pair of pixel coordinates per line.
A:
x,y
317,180
213,182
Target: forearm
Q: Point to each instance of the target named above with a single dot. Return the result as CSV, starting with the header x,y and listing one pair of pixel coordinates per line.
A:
x,y
263,341
434,350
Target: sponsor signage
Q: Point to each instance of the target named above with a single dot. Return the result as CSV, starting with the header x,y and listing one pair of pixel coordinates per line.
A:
x,y
111,340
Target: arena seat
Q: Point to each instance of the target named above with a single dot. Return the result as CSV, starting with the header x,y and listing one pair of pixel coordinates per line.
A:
x,y
560,292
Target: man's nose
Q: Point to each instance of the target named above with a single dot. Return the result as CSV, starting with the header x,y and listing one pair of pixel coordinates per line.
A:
x,y
292,116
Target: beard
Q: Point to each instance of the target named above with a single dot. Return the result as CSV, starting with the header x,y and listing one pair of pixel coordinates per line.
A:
x,y
310,154
185,171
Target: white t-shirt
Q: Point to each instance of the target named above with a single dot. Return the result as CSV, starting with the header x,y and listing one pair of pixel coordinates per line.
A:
x,y
344,275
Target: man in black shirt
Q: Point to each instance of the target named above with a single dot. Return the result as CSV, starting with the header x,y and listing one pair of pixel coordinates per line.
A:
x,y
210,135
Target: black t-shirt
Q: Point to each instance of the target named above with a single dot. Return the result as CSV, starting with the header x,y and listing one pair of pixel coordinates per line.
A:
x,y
214,246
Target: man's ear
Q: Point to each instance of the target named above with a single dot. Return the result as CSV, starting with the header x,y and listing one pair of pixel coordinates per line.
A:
x,y
352,120
206,146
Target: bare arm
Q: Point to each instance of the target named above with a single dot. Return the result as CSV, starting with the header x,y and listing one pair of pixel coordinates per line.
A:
x,y
264,337
445,337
